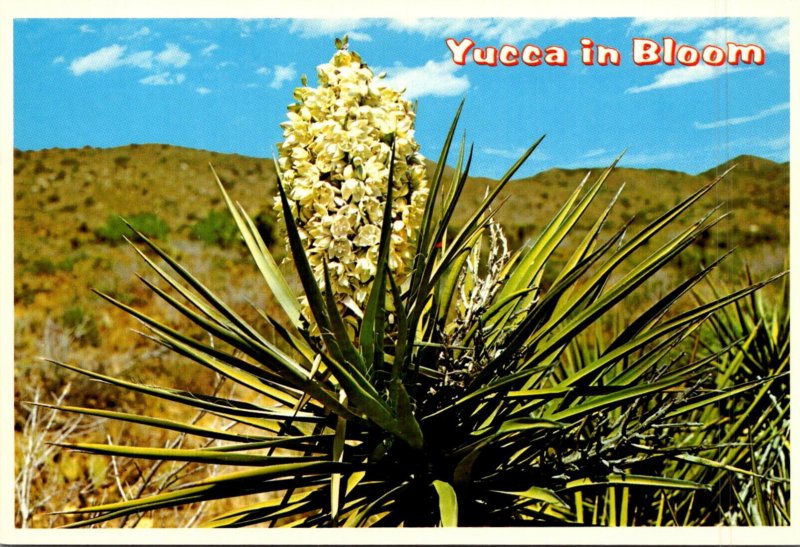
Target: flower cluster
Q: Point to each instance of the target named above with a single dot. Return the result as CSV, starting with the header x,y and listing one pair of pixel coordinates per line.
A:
x,y
335,161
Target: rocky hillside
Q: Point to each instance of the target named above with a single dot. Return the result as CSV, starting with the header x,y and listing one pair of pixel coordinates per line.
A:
x,y
68,237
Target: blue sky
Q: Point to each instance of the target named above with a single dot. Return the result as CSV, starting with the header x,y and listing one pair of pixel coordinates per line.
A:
x,y
224,84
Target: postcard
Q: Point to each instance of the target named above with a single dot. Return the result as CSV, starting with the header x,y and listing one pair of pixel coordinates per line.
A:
x,y
405,274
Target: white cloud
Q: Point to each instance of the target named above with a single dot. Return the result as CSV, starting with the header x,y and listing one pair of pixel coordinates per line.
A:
x,y
163,78
513,153
757,144
649,160
58,60
772,34
595,152
744,119
246,26
359,36
643,159
503,29
777,39
779,143
500,29
432,78
432,27
173,55
225,64
98,61
644,25
206,51
721,35
314,28
113,56
141,33
86,29
681,76
774,39
140,59
203,90
282,74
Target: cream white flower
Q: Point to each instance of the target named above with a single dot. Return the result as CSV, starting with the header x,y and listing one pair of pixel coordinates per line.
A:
x,y
341,249
335,162
353,189
368,236
341,227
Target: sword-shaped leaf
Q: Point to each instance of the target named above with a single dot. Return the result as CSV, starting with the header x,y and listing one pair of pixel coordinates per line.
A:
x,y
448,504
263,258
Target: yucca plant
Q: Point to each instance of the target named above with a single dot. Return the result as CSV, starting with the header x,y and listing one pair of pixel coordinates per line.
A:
x,y
419,381
746,434
734,438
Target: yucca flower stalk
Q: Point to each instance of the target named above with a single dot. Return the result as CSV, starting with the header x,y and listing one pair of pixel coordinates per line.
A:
x,y
335,162
466,410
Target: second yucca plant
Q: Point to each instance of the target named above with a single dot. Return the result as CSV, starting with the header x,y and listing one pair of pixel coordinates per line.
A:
x,y
423,383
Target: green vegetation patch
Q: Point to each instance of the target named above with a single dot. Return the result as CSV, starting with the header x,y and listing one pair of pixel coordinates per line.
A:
x,y
82,325
115,228
216,228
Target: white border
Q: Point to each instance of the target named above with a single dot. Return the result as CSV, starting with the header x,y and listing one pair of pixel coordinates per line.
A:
x,y
11,9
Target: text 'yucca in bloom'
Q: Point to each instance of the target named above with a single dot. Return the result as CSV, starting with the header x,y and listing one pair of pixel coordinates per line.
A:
x,y
335,161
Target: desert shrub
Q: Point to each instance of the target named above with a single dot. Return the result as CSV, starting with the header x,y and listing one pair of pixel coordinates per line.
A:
x,y
122,161
255,169
71,162
42,266
759,234
216,228
82,325
115,229
25,294
68,263
46,265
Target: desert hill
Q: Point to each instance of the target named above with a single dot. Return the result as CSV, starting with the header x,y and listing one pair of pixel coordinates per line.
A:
x,y
63,195
68,239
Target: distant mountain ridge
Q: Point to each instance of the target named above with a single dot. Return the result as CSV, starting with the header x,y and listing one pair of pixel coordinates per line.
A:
x,y
66,201
64,194
753,164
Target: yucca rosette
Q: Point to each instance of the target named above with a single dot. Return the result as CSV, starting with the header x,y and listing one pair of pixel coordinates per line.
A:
x,y
335,162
